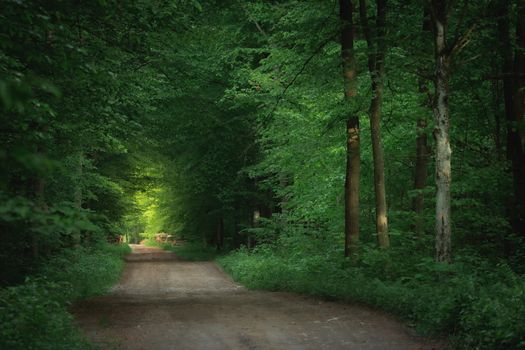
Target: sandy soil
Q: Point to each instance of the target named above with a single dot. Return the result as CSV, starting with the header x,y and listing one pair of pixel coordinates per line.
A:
x,y
164,303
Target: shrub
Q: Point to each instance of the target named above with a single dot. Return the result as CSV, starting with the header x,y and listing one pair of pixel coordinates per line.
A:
x,y
479,304
34,315
190,251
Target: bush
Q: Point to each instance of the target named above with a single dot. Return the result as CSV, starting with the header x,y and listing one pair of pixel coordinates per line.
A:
x,y
34,315
462,299
189,251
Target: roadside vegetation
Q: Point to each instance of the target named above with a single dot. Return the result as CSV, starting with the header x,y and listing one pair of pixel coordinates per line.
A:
x,y
190,251
34,314
478,304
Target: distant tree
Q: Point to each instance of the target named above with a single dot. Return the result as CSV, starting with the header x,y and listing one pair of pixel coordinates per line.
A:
x,y
513,76
376,65
353,159
422,147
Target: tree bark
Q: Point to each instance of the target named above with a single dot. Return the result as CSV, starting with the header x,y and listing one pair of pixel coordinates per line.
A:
x,y
39,186
497,118
220,234
255,219
518,152
422,149
513,84
78,196
441,133
421,173
376,57
519,63
353,161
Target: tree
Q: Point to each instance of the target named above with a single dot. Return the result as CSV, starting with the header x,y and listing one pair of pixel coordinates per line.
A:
x,y
444,51
353,161
422,147
442,131
513,76
376,64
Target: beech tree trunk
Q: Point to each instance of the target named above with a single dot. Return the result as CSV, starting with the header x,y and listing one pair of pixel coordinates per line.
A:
x,y
518,132
421,173
353,161
379,169
376,57
77,196
513,85
422,149
441,133
220,234
38,190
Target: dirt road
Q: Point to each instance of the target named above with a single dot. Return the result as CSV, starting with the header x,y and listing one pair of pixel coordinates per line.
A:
x,y
164,303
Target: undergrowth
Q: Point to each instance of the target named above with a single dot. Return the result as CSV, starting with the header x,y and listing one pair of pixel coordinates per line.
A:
x,y
34,315
480,304
189,251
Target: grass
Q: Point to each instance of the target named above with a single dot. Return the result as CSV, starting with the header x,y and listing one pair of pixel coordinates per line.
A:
x,y
480,304
189,251
34,315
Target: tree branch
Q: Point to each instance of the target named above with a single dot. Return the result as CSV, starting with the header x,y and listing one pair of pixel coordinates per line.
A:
x,y
299,72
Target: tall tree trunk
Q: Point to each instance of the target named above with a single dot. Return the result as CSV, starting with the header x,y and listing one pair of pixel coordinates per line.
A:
x,y
513,67
441,133
496,103
220,234
353,161
379,170
422,149
376,58
255,220
518,152
421,173
519,64
77,196
38,190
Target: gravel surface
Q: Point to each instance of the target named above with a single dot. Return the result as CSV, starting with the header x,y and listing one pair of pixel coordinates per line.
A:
x,y
164,303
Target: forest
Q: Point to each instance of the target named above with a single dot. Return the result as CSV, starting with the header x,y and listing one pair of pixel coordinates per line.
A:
x,y
368,151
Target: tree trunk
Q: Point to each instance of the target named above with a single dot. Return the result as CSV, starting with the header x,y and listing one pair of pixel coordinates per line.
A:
x,y
379,170
255,220
37,190
77,196
422,149
513,99
353,165
519,64
421,174
518,153
353,161
376,57
441,133
496,99
220,234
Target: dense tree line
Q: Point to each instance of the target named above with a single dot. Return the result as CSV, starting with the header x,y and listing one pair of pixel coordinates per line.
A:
x,y
326,128
73,109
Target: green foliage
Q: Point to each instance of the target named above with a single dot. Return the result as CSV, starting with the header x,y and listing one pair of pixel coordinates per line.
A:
x,y
34,314
33,318
480,304
208,119
89,271
190,251
53,228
